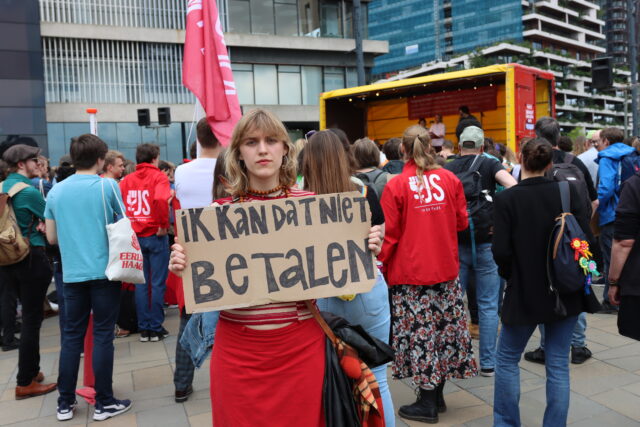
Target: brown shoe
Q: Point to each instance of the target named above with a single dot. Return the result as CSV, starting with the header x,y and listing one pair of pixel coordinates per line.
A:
x,y
474,330
122,333
39,378
34,389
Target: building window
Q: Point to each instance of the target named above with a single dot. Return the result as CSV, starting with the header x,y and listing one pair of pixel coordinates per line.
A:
x,y
311,85
243,77
265,79
330,19
239,16
289,85
286,17
333,78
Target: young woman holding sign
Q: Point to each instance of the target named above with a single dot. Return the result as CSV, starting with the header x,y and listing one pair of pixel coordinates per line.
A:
x,y
369,310
267,365
424,208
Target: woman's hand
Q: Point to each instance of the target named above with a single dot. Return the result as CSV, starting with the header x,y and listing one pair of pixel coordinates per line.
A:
x,y
376,235
177,260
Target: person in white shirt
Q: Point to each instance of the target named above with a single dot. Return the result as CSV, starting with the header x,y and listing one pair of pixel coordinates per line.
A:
x,y
198,171
437,132
589,157
194,189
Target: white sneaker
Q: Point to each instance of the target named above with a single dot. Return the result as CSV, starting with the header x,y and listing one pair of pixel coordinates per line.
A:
x,y
65,411
116,407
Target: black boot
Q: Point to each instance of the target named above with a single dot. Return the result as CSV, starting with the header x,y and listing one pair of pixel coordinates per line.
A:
x,y
442,406
425,408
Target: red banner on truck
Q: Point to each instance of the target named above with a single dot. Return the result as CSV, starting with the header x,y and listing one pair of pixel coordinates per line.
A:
x,y
446,103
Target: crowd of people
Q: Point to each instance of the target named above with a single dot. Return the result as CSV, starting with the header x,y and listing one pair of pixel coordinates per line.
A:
x,y
448,222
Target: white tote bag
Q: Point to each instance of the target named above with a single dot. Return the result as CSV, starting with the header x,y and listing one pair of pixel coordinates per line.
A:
x,y
125,257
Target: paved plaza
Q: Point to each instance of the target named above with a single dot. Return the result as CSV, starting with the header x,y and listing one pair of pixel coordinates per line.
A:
x,y
605,391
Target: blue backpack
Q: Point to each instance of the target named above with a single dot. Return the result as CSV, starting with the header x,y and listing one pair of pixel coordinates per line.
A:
x,y
629,165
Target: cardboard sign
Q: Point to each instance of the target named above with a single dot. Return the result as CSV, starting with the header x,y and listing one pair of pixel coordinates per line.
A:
x,y
293,249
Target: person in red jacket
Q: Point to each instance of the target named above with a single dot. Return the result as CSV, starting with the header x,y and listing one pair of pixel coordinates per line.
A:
x,y
424,208
146,194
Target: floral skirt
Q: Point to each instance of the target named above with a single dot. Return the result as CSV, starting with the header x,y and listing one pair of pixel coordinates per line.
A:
x,y
430,335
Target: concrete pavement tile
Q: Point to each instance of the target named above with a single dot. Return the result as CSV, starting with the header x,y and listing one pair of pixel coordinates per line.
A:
x,y
167,416
596,377
152,377
615,353
123,384
200,420
14,411
633,388
162,391
607,338
121,367
140,404
595,347
480,422
629,363
400,422
621,401
609,418
49,405
197,406
127,419
8,394
580,407
462,399
469,383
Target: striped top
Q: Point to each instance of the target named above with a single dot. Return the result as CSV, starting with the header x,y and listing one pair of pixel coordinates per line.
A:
x,y
275,315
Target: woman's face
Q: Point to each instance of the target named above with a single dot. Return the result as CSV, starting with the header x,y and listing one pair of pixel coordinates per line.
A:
x,y
262,155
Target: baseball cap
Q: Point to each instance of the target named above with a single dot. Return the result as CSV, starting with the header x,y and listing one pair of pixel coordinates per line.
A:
x,y
473,134
19,153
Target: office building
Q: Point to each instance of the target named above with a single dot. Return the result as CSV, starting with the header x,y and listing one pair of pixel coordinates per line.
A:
x,y
120,56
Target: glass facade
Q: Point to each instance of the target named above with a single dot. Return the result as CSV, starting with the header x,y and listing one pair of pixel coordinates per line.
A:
x,y
478,23
288,84
440,28
410,27
311,18
123,137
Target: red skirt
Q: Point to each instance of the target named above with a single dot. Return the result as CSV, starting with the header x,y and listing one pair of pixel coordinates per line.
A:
x,y
268,378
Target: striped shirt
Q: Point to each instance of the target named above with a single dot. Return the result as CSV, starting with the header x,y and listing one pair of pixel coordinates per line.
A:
x,y
274,315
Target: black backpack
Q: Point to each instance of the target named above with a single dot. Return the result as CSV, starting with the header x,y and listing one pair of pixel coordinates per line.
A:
x,y
567,171
479,204
569,263
375,179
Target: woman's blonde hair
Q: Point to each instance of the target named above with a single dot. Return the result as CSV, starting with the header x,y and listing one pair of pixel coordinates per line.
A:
x,y
417,146
265,124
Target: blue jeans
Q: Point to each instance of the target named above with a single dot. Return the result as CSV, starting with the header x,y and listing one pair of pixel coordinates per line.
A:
x,y
103,297
371,311
487,296
577,337
155,252
606,241
513,339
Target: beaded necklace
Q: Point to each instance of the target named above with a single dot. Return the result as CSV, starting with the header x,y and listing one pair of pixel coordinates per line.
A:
x,y
265,193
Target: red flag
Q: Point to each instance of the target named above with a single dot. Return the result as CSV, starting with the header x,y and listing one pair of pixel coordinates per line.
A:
x,y
206,70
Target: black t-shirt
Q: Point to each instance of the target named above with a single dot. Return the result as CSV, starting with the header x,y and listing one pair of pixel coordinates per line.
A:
x,y
559,157
377,216
488,169
627,227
